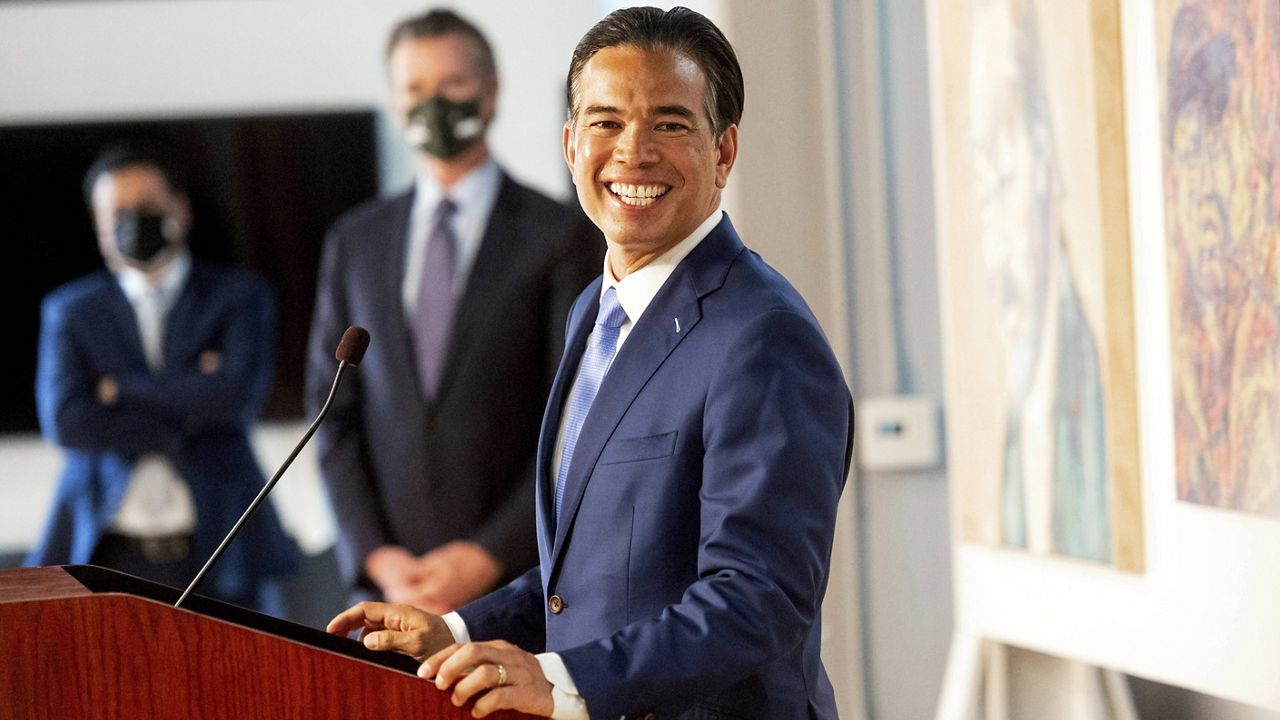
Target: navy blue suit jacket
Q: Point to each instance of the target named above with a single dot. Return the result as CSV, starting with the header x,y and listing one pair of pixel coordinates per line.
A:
x,y
199,422
403,471
694,542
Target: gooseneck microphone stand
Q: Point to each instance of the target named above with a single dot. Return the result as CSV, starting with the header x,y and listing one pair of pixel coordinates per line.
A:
x,y
354,342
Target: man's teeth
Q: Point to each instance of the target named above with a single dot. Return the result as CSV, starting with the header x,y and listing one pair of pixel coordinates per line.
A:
x,y
638,195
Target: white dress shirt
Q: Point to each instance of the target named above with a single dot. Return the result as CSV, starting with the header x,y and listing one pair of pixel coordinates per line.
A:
x,y
474,196
635,292
157,502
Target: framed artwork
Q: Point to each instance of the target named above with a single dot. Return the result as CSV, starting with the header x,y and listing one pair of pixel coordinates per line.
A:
x,y
1220,119
1037,296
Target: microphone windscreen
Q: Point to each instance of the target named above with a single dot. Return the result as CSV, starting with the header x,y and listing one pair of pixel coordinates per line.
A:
x,y
352,346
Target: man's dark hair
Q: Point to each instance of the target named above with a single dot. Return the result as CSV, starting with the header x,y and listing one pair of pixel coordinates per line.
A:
x,y
681,30
439,22
123,155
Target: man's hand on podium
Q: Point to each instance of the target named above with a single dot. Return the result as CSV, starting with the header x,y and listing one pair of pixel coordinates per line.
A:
x,y
496,674
400,628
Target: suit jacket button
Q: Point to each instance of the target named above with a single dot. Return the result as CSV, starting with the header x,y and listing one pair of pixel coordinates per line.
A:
x,y
556,604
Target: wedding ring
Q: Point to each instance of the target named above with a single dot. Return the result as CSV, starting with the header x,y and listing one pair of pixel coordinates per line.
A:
x,y
502,675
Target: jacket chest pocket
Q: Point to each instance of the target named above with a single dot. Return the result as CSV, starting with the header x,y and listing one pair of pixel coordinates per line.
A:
x,y
625,450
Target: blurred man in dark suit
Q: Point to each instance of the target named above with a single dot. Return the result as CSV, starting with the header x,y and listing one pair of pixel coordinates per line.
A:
x,y
464,282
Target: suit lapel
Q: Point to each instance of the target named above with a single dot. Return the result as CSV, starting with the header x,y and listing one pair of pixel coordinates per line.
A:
x,y
390,266
125,321
179,322
577,334
494,258
651,341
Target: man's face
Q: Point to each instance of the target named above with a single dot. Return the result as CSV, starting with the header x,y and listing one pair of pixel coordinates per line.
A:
x,y
136,188
447,65
647,169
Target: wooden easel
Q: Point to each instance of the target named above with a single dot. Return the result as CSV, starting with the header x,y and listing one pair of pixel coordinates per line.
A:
x,y
984,681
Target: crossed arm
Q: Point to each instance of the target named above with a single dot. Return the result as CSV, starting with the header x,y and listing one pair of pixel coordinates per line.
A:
x,y
81,407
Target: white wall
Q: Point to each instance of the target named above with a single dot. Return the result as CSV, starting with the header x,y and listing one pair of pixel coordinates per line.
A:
x,y
93,60
907,578
29,466
27,469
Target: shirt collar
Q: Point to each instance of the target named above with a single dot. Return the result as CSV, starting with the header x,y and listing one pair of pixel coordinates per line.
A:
x,y
172,276
637,289
474,190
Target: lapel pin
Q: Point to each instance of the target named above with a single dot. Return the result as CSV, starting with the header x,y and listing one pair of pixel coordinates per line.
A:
x,y
677,325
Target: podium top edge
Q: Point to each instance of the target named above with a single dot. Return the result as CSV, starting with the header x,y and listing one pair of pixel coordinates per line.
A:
x,y
78,581
42,583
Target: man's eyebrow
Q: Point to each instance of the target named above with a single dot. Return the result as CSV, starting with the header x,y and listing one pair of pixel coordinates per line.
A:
x,y
677,110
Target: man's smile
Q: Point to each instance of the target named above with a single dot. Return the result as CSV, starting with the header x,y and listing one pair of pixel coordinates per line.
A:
x,y
638,195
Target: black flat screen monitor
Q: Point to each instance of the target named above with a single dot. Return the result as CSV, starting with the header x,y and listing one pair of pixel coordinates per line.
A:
x,y
264,188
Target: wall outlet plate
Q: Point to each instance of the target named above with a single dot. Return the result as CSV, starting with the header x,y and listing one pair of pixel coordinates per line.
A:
x,y
897,432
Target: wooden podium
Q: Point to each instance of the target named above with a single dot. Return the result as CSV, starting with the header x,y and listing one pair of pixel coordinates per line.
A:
x,y
84,642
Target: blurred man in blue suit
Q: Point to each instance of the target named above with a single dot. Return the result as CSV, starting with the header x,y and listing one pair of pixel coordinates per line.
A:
x,y
150,373
695,443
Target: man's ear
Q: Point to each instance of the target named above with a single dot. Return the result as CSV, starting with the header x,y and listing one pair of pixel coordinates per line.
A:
x,y
570,152
490,94
182,215
728,153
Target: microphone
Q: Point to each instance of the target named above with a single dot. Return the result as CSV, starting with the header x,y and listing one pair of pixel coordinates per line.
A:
x,y
349,353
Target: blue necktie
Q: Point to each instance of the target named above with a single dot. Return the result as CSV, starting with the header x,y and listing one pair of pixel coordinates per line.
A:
x,y
433,315
595,363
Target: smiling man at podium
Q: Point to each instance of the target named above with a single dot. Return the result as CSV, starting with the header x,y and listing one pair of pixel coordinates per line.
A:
x,y
696,440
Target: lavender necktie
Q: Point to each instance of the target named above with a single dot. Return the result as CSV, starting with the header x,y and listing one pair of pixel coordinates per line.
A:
x,y
595,363
433,315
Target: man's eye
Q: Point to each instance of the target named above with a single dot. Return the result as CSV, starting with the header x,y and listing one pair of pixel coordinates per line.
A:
x,y
606,124
672,127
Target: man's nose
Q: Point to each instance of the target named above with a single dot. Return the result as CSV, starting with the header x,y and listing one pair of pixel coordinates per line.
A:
x,y
635,146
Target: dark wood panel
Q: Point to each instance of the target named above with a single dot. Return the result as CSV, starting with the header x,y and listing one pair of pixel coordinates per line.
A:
x,y
117,657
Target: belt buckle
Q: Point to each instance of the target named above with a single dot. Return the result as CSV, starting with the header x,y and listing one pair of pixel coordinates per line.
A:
x,y
168,549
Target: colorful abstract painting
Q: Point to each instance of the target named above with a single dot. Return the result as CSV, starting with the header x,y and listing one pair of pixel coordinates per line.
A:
x,y
1042,422
1220,100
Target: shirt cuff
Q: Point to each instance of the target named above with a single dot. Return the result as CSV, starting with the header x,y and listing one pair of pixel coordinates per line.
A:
x,y
567,704
458,627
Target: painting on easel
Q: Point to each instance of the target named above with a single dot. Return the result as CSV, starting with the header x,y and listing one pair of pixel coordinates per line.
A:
x,y
1041,396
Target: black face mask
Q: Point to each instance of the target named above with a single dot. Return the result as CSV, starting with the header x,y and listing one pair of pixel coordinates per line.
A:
x,y
444,128
140,235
